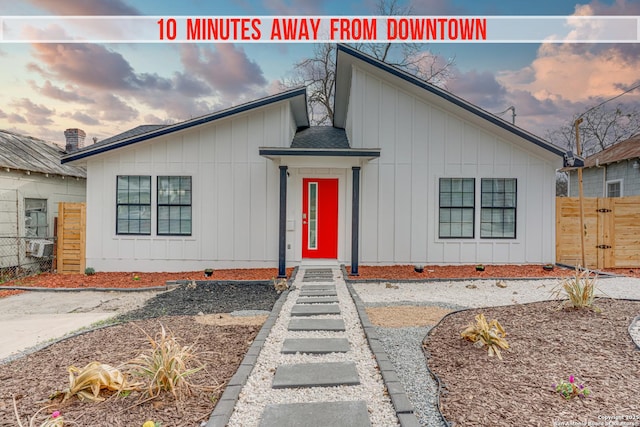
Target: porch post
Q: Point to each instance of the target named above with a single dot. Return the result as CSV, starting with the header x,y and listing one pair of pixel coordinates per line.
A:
x,y
355,219
282,241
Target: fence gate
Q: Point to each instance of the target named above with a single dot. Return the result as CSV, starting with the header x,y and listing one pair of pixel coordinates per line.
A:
x,y
71,237
611,230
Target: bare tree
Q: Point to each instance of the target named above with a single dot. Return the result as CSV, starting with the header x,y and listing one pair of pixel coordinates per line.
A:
x,y
601,128
318,72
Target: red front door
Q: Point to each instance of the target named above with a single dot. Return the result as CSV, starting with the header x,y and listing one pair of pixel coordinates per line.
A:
x,y
320,218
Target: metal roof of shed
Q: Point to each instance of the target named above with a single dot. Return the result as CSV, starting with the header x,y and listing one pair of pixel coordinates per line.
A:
x,y
26,153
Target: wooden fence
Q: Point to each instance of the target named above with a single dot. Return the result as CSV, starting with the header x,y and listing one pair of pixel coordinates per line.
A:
x,y
71,237
611,231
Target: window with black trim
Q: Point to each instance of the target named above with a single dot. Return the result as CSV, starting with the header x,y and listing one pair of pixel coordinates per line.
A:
x,y
498,212
133,205
457,205
174,206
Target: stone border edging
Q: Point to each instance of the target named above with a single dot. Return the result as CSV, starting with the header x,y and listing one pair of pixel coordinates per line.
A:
x,y
437,379
601,275
402,405
38,289
223,410
635,323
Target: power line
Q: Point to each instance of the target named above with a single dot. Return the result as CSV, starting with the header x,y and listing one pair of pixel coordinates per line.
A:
x,y
611,99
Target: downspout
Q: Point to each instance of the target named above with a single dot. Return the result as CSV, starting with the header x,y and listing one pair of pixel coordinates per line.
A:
x,y
604,177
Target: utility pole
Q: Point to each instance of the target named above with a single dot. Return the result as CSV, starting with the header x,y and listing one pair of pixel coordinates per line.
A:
x,y
580,192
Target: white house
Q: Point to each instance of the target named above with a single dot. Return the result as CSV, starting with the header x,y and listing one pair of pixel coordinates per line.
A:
x,y
409,173
32,182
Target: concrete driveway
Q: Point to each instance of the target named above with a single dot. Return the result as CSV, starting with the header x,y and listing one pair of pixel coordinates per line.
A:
x,y
35,318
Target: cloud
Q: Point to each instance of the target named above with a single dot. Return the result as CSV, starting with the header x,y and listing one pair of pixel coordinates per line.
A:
x,y
70,94
480,88
294,7
227,67
36,114
16,118
83,7
112,108
83,118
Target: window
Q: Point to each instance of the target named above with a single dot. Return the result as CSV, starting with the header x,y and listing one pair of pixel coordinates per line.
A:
x,y
35,218
498,214
174,205
614,188
457,203
133,205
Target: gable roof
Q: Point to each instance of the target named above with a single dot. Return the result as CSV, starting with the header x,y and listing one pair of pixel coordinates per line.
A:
x,y
26,153
138,130
297,97
346,56
627,149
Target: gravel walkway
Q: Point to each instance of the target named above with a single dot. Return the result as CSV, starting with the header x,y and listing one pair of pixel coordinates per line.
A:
x,y
404,345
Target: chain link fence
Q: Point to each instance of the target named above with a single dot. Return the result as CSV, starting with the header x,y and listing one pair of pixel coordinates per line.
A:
x,y
25,256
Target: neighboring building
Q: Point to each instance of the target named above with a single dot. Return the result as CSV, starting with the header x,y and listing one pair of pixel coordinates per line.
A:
x,y
613,172
409,173
32,182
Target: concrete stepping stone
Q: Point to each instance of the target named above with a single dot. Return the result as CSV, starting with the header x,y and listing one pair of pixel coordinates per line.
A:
x,y
314,309
318,293
319,414
316,375
317,300
316,325
318,287
315,345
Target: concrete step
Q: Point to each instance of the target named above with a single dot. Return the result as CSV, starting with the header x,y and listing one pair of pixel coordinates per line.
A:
x,y
317,300
319,414
316,375
315,345
318,293
336,325
314,309
328,286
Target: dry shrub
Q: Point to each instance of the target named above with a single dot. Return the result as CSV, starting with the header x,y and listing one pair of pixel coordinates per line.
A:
x,y
486,334
579,291
88,382
166,365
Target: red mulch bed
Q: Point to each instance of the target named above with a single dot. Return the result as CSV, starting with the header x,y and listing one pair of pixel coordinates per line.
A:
x,y
631,272
144,280
405,272
4,294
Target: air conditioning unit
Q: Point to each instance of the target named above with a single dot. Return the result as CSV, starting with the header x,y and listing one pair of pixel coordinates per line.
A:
x,y
41,248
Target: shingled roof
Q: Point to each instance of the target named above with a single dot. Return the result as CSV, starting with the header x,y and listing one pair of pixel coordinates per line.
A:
x,y
26,153
320,137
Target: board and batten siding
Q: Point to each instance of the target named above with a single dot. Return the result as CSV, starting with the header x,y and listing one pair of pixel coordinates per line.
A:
x,y
234,200
422,141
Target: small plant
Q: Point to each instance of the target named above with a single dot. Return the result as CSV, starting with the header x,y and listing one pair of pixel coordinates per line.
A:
x,y
55,420
165,365
418,268
570,389
151,424
208,272
579,291
136,277
479,267
486,334
89,271
88,382
548,267
281,284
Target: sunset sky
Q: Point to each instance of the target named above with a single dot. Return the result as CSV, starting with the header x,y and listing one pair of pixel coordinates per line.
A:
x,y
108,88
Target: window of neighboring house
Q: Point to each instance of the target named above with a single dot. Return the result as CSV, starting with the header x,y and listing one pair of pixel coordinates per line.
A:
x,y
498,212
457,204
174,205
35,218
133,205
614,188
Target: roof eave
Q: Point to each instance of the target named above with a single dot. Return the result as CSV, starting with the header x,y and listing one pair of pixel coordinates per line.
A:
x,y
342,94
298,109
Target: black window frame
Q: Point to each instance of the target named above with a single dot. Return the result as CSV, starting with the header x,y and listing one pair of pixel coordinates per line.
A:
x,y
130,204
452,206
503,208
170,205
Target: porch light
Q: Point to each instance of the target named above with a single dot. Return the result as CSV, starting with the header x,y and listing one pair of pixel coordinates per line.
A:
x,y
636,164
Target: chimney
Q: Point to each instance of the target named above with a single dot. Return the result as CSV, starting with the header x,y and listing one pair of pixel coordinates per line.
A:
x,y
75,139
